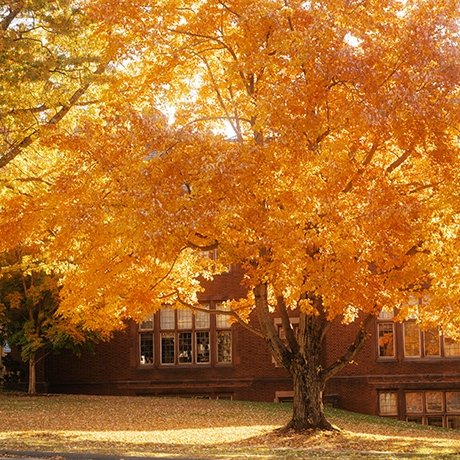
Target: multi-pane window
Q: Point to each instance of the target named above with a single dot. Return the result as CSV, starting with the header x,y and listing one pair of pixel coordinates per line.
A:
x,y
185,348
202,347
177,336
388,403
452,407
451,348
434,401
414,403
185,337
416,343
420,344
432,343
146,344
167,337
411,339
168,347
386,334
202,336
436,408
386,338
224,335
453,401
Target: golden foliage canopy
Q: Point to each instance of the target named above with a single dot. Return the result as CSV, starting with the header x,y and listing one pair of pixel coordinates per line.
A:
x,y
314,143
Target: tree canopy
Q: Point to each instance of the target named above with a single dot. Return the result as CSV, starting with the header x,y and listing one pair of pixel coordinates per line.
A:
x,y
29,318
314,143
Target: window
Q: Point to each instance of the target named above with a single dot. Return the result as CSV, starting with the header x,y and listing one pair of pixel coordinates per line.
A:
x,y
388,403
168,347
436,408
186,337
167,319
202,347
414,419
386,340
185,347
202,342
414,403
432,343
146,341
411,339
181,343
435,420
451,348
453,421
453,401
224,336
416,343
434,401
224,347
386,314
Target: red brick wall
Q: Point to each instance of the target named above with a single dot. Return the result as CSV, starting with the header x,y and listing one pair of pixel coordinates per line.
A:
x,y
359,383
113,367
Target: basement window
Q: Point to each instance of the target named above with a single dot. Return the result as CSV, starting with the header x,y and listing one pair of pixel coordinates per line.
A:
x,y
388,403
435,408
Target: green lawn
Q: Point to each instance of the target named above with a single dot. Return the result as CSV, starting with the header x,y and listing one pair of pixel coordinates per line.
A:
x,y
148,426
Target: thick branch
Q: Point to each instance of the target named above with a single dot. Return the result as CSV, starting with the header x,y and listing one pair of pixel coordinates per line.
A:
x,y
399,161
366,162
352,351
286,323
205,246
58,116
7,20
45,107
269,331
229,9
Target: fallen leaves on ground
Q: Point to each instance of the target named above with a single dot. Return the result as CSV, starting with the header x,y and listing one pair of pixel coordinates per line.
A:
x,y
229,429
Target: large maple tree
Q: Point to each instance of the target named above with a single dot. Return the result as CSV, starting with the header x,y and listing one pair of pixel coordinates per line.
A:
x,y
313,143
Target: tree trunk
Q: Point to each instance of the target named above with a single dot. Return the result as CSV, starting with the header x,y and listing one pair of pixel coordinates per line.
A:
x,y
308,409
32,376
301,356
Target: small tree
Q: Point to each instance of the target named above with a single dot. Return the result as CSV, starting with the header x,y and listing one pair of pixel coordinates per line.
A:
x,y
29,299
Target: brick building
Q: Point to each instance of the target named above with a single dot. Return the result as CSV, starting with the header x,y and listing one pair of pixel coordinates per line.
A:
x,y
402,372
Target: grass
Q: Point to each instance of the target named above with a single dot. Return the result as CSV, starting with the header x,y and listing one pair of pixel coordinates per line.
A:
x,y
148,426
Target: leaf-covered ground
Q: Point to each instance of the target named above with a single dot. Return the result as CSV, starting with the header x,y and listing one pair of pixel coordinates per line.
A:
x,y
203,428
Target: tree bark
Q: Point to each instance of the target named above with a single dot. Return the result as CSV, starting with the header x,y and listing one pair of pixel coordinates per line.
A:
x,y
308,409
302,354
302,360
32,390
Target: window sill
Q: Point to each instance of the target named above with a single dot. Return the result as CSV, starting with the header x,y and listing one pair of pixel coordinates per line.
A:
x,y
431,359
391,359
